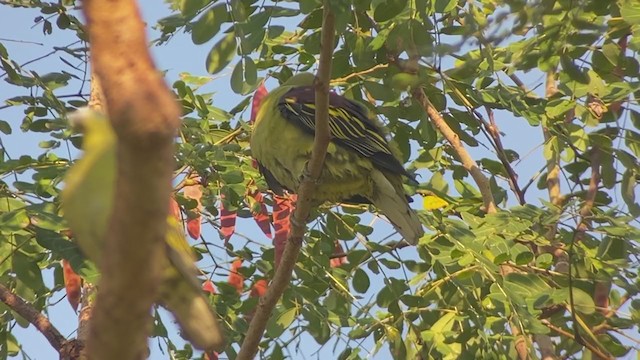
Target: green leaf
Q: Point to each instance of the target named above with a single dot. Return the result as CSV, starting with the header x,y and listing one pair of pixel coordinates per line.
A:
x,y
279,11
360,281
525,285
444,324
236,78
443,6
578,136
583,302
250,71
191,7
524,258
208,24
574,72
632,140
630,11
232,176
394,265
63,21
307,6
601,63
279,323
628,190
612,248
13,221
221,54
27,270
389,9
11,71
380,39
241,106
5,128
318,326
556,108
312,21
380,91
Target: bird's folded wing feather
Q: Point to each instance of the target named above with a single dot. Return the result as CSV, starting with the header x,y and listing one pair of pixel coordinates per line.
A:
x,y
349,126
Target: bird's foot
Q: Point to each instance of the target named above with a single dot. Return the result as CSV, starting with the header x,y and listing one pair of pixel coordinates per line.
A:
x,y
306,175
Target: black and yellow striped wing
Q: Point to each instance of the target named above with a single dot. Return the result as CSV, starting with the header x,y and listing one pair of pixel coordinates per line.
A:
x,y
349,125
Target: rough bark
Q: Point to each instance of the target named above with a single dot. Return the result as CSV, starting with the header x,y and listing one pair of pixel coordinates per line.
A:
x,y
145,117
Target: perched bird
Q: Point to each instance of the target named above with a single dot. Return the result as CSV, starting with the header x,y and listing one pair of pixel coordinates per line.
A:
x,y
87,200
360,166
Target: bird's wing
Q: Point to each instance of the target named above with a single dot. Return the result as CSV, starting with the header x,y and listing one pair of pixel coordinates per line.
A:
x,y
273,184
349,126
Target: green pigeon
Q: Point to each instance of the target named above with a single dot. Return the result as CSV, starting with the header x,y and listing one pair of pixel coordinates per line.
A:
x,y
360,166
87,200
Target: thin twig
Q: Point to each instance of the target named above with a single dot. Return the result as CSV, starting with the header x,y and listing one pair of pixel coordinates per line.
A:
x,y
516,80
589,346
492,129
55,50
22,41
623,299
283,273
359,73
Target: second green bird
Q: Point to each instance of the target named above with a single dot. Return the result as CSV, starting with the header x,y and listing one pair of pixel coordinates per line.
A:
x,y
360,166
87,201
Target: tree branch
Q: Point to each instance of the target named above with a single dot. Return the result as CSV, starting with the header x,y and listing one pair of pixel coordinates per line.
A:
x,y
467,162
483,186
589,346
34,317
553,169
516,80
307,187
145,117
547,349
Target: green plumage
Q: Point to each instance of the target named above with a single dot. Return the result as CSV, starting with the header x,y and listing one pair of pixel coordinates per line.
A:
x,y
87,201
360,165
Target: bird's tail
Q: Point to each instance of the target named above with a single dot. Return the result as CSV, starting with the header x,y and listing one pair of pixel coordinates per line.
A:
x,y
182,295
392,203
197,320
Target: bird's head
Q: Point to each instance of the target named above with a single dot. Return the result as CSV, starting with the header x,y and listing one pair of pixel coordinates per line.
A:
x,y
301,79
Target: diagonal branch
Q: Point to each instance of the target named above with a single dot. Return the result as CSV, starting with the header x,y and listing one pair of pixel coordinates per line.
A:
x,y
467,161
307,187
492,129
561,331
33,316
